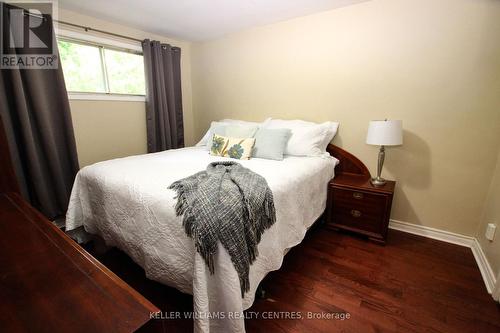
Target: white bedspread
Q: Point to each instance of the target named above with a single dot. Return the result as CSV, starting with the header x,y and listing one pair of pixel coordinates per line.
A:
x,y
126,202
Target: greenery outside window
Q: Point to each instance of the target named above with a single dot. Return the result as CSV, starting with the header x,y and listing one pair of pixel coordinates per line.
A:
x,y
99,69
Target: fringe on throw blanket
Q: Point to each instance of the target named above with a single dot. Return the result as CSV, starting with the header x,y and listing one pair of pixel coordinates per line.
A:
x,y
230,204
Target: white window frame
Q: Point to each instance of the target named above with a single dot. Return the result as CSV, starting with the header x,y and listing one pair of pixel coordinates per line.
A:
x,y
101,42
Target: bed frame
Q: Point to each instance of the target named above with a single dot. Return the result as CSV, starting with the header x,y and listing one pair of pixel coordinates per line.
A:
x,y
348,163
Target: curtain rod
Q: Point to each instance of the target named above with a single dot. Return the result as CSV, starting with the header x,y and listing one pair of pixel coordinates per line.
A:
x,y
99,31
28,13
86,28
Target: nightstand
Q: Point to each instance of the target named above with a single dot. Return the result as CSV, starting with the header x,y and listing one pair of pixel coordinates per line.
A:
x,y
354,204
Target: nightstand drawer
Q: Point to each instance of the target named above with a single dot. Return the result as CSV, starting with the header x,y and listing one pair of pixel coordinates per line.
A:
x,y
360,210
356,217
371,205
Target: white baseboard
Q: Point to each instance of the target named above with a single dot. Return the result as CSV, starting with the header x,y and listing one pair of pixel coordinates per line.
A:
x,y
450,237
484,266
433,233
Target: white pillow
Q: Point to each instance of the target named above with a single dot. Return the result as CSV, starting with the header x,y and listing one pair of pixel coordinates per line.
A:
x,y
240,131
308,138
209,134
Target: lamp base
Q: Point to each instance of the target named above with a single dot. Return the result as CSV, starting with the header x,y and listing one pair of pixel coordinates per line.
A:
x,y
378,181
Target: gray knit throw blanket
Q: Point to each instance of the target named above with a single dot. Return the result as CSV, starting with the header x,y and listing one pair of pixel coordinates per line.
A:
x,y
230,204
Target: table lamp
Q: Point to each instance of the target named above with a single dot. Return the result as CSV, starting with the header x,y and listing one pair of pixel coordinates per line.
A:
x,y
384,133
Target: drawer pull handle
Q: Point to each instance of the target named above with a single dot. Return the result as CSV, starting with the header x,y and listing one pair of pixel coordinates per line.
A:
x,y
355,213
357,195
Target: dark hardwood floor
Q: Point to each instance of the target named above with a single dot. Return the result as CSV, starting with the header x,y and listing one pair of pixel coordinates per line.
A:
x,y
412,284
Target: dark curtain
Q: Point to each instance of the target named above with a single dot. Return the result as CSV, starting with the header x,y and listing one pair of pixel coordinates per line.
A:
x,y
36,116
162,65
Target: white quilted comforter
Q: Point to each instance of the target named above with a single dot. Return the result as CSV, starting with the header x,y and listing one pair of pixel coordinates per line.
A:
x,y
126,202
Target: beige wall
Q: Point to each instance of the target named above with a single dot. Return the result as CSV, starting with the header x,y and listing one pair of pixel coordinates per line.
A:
x,y
492,215
433,64
110,129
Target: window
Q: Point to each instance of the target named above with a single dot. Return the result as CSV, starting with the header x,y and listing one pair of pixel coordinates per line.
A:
x,y
93,68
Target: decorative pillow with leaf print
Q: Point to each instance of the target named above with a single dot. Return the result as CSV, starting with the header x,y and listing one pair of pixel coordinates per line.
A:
x,y
238,148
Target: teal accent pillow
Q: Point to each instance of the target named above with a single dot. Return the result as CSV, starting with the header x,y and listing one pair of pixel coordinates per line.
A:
x,y
240,131
271,143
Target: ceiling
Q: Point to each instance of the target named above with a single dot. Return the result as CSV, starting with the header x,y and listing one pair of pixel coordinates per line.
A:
x,y
198,20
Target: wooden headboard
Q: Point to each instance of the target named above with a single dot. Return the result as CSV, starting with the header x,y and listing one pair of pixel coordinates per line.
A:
x,y
8,180
348,163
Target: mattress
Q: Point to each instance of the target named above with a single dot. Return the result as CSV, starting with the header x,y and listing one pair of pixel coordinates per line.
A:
x,y
127,203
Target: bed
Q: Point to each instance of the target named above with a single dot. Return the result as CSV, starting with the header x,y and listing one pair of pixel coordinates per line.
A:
x,y
126,202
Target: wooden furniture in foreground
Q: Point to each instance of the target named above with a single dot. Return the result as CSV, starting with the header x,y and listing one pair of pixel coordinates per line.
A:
x,y
48,283
353,203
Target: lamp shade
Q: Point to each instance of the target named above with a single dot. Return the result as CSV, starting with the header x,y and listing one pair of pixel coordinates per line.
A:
x,y
385,133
